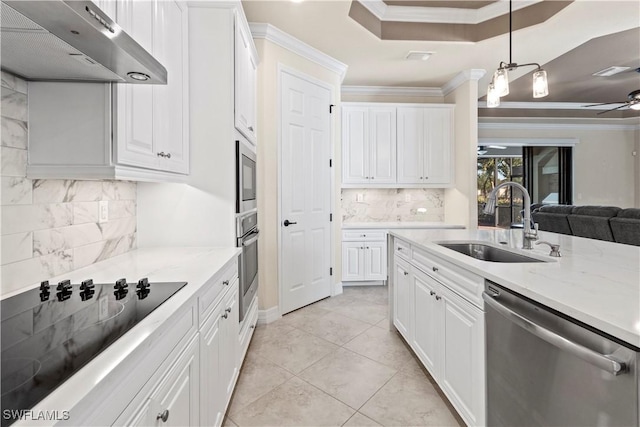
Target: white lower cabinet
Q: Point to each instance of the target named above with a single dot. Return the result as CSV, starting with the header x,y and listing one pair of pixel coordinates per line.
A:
x,y
445,331
175,400
364,255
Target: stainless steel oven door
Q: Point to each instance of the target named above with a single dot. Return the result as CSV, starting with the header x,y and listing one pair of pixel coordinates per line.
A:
x,y
245,178
248,272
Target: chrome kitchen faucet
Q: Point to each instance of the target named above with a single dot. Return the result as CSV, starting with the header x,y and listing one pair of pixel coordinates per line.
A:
x,y
528,234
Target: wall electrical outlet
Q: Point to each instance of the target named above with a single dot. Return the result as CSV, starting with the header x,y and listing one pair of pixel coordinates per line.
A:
x,y
407,197
103,211
359,197
103,308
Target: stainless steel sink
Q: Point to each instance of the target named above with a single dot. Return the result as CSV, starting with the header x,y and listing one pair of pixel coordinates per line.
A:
x,y
488,253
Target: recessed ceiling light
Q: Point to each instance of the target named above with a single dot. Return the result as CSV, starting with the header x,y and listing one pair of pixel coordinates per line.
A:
x,y
415,55
610,71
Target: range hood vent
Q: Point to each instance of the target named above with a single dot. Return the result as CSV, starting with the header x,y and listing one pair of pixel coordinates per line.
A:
x,y
56,40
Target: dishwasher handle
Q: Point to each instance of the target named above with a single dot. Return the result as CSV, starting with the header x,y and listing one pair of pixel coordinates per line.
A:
x,y
602,361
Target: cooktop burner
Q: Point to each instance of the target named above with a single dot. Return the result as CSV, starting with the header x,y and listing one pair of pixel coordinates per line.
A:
x,y
49,333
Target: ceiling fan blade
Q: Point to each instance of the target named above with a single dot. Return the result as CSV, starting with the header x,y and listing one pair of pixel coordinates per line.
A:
x,y
613,109
604,103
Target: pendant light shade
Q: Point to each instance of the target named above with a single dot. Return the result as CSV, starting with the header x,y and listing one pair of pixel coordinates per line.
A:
x,y
493,99
501,81
540,85
635,106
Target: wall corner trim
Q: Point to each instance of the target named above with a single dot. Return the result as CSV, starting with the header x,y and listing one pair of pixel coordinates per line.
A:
x,y
287,41
392,91
269,315
461,77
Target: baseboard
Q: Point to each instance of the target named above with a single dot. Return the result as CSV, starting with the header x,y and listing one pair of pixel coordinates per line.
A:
x,y
269,315
337,289
364,283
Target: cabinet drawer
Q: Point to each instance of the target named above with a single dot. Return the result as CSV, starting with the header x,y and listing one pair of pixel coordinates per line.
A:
x,y
215,289
363,235
465,283
402,249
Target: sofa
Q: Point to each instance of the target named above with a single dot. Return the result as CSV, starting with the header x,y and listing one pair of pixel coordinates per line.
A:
x,y
607,223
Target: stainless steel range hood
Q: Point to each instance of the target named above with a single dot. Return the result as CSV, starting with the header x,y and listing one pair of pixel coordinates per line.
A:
x,y
56,40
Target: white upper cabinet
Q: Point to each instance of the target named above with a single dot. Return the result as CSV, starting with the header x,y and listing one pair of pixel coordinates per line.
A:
x,y
246,70
397,145
119,131
369,145
425,145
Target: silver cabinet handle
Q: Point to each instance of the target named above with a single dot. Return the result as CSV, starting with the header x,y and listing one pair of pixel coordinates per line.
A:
x,y
164,416
168,155
435,268
252,326
406,273
160,154
228,309
163,154
250,128
225,282
224,316
603,361
432,293
438,298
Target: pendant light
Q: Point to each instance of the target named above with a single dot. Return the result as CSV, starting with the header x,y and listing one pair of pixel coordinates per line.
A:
x,y
499,85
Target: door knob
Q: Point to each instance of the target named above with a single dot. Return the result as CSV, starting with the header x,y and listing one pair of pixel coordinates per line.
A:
x,y
288,223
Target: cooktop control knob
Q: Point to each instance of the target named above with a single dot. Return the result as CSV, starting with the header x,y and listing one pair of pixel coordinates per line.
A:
x,y
87,289
143,288
64,290
121,289
44,291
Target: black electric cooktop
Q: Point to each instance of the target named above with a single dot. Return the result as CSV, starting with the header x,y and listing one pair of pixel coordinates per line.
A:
x,y
48,334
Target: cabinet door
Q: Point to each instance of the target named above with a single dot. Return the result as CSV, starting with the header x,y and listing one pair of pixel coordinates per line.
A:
x,y
427,333
382,145
229,327
171,122
375,261
438,165
410,145
352,261
245,74
355,145
403,299
211,397
462,367
135,104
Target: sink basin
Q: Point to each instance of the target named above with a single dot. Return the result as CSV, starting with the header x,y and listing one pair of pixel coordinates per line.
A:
x,y
488,253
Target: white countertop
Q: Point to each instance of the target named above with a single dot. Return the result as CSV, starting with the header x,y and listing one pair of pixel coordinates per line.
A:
x,y
400,225
595,282
193,265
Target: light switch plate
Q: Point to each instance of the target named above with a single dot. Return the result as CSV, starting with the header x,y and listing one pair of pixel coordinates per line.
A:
x,y
103,211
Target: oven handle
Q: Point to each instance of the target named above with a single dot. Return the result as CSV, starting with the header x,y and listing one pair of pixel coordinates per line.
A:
x,y
250,241
602,361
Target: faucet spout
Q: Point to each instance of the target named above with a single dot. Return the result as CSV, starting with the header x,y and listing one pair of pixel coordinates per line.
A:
x,y
528,234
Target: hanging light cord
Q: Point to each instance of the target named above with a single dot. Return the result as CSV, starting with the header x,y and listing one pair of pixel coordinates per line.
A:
x,y
512,65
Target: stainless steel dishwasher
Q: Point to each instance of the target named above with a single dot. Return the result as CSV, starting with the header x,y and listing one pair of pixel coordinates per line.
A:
x,y
545,369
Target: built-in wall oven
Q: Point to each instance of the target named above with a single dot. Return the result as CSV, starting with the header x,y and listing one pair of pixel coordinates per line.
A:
x,y
247,239
245,178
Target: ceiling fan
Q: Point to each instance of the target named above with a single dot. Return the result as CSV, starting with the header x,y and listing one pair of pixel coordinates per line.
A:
x,y
632,102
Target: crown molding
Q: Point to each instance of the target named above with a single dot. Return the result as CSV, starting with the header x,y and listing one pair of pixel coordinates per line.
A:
x,y
557,126
461,77
287,41
392,91
550,105
441,15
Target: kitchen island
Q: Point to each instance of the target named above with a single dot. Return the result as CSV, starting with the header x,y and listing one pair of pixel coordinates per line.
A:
x,y
439,305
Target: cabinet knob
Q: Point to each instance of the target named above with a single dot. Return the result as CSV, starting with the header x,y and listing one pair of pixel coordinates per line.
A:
x,y
225,315
438,298
252,326
168,156
250,128
228,309
371,177
361,247
406,273
426,177
421,177
225,282
368,247
432,293
399,249
435,268
164,416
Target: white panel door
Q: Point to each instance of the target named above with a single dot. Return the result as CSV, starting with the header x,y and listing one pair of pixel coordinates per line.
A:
x,y
171,124
438,167
229,343
427,329
410,145
375,261
305,192
382,145
403,299
355,145
352,261
462,368
211,398
135,104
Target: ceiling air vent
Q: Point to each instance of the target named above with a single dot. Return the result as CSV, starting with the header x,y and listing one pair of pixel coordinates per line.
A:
x,y
415,55
607,72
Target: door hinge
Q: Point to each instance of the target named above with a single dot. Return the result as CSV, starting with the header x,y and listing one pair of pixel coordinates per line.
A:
x,y
331,108
330,217
330,163
331,271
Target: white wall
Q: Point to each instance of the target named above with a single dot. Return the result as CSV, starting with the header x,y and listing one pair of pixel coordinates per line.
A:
x,y
605,170
271,55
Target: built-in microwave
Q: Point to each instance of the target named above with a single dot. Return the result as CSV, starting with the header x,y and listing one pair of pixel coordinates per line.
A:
x,y
245,178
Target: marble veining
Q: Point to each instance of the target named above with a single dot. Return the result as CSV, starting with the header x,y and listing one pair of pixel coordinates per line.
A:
x,y
51,226
391,205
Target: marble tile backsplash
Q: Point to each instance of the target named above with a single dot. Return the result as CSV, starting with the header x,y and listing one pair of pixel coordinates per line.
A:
x,y
50,227
393,204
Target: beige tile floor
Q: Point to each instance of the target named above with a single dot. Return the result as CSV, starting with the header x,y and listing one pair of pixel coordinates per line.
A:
x,y
335,363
